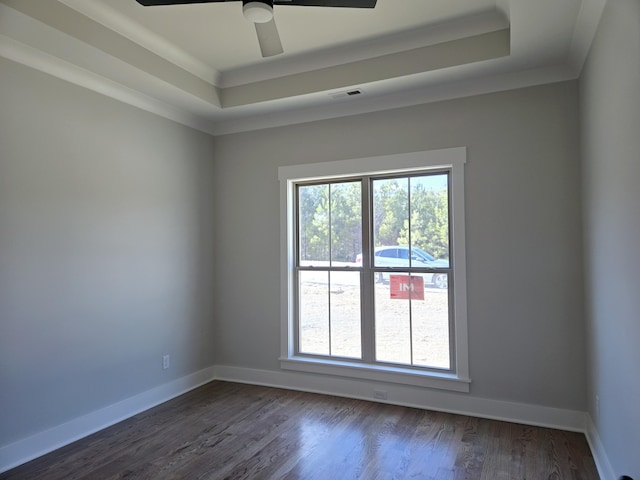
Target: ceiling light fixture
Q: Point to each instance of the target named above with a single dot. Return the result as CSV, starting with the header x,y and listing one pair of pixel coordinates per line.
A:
x,y
258,11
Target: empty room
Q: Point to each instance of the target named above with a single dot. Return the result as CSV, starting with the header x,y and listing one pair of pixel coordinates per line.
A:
x,y
320,239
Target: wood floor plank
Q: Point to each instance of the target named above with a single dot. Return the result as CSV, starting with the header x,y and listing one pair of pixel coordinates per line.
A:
x,y
232,431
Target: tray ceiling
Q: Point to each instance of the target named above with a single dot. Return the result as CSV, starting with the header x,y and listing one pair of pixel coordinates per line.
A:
x,y
200,64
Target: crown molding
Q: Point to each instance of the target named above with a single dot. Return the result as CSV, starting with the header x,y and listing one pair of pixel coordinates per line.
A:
x,y
55,38
62,32
420,60
56,67
485,22
584,32
413,93
114,20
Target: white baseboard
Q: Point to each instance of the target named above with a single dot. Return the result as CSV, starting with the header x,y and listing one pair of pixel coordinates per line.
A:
x,y
47,441
597,449
449,402
44,442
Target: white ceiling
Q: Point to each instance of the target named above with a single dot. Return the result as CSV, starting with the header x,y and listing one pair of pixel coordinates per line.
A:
x,y
200,64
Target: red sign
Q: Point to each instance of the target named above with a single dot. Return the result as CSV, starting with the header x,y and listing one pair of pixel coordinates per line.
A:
x,y
405,287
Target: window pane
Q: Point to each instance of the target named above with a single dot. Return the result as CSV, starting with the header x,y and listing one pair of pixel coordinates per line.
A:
x,y
429,221
412,321
392,327
346,222
313,227
329,312
390,217
430,322
313,334
345,314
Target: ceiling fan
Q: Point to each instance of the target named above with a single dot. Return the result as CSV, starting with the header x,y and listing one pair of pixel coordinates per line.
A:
x,y
260,12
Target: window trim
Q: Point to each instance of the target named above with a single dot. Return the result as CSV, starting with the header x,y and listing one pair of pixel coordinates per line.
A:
x,y
451,158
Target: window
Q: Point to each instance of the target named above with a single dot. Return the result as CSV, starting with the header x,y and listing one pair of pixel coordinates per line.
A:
x,y
373,274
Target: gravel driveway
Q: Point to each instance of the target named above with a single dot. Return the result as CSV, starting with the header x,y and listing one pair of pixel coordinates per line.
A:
x,y
397,321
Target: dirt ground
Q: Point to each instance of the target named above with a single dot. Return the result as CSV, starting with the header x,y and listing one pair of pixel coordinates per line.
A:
x,y
397,322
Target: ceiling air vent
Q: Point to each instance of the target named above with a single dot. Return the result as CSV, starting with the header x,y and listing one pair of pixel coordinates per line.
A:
x,y
347,93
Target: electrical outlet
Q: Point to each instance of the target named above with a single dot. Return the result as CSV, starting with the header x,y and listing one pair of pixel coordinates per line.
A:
x,y
380,394
166,362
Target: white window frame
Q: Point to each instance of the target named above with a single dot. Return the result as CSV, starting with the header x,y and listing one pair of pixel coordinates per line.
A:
x,y
452,159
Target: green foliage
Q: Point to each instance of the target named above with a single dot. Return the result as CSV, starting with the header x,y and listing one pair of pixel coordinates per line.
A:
x,y
429,226
390,210
330,222
346,221
330,218
314,222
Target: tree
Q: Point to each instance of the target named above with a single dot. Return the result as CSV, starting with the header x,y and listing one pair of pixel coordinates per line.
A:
x,y
346,221
330,221
390,209
429,223
313,222
406,211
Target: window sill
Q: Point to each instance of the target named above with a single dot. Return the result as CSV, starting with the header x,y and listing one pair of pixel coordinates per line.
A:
x,y
404,376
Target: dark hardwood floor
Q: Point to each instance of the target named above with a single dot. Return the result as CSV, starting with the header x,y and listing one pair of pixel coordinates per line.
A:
x,y
233,431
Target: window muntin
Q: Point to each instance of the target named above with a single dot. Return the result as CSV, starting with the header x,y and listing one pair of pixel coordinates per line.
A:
x,y
330,302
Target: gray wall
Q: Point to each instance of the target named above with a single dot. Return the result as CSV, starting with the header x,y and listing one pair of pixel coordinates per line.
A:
x,y
526,324
105,251
610,105
107,241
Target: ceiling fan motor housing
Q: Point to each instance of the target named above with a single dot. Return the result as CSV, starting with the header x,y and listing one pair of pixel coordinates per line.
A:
x,y
257,11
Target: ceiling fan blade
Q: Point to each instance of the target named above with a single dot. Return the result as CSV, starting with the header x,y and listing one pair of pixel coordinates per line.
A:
x,y
328,3
153,3
268,38
300,3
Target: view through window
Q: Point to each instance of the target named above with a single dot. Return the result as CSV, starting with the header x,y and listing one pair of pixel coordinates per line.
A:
x,y
373,269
